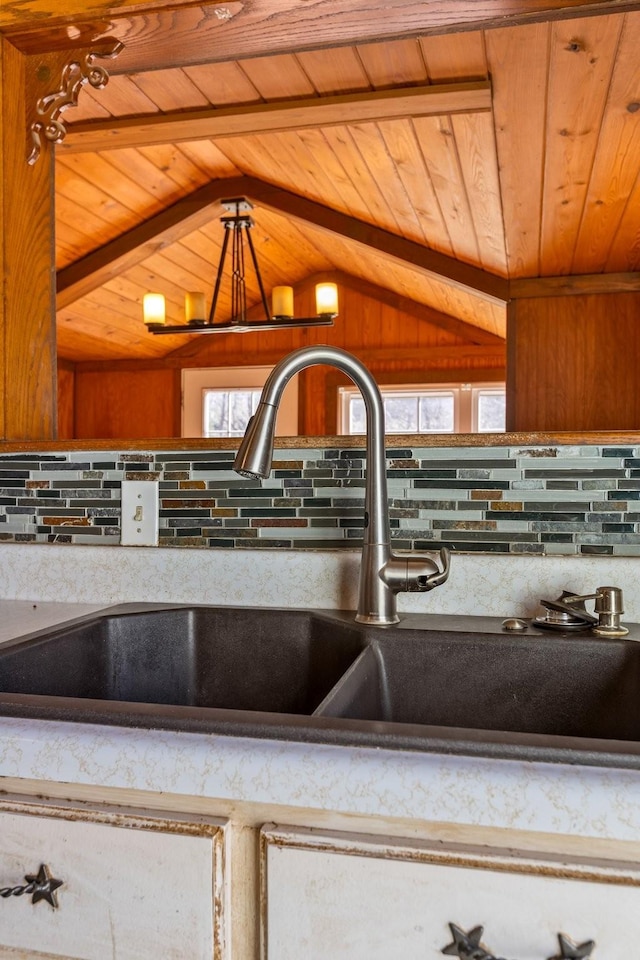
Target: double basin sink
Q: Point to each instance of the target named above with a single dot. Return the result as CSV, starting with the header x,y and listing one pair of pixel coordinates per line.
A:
x,y
432,683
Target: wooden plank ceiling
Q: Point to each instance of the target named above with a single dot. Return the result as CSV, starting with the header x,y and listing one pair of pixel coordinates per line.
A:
x,y
544,183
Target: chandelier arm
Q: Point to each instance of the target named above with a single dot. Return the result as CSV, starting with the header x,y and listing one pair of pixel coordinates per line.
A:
x,y
216,291
263,295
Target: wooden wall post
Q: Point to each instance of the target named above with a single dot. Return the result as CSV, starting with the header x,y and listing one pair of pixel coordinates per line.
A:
x,y
572,361
28,405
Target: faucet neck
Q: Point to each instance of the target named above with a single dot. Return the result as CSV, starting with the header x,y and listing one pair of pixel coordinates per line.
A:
x,y
376,529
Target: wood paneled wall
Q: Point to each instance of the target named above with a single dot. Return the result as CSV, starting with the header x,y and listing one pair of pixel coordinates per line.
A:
x,y
66,390
573,363
398,341
122,404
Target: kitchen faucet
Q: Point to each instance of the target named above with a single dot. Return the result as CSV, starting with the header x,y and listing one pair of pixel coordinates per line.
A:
x,y
383,574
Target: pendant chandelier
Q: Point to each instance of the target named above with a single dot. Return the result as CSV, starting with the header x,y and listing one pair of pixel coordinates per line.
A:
x,y
237,226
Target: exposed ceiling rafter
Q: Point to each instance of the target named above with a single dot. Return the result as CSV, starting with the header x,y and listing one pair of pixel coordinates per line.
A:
x,y
490,356
192,212
134,246
429,262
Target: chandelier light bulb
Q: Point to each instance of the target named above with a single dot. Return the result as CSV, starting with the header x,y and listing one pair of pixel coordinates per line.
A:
x,y
153,309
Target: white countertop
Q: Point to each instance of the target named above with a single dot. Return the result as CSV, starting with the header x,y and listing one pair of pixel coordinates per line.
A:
x,y
19,617
577,801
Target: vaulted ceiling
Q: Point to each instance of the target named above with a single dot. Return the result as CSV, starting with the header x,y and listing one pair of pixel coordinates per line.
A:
x,y
441,167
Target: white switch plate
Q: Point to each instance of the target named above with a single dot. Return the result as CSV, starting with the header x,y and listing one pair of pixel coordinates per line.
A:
x,y
139,520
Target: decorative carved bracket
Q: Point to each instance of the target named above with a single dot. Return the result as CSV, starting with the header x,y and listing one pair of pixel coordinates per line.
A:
x,y
75,68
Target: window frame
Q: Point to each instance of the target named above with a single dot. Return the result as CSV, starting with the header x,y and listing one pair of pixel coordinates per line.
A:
x,y
228,392
466,396
197,379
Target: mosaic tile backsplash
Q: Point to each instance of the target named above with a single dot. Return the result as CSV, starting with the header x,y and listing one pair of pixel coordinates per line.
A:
x,y
518,500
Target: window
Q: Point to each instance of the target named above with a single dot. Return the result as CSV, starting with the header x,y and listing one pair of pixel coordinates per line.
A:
x,y
226,413
218,401
450,408
490,410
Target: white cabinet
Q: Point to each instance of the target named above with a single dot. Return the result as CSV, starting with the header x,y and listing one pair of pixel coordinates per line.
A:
x,y
351,897
133,887
138,886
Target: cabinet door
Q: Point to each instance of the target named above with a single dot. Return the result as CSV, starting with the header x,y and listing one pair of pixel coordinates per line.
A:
x,y
132,887
340,897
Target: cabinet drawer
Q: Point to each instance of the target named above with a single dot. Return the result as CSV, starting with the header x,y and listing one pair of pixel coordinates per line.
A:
x,y
341,897
132,887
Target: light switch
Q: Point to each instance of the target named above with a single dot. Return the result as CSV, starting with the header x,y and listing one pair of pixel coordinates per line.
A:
x,y
139,521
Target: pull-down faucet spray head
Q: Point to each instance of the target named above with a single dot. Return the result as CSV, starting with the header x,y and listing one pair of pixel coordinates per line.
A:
x,y
255,454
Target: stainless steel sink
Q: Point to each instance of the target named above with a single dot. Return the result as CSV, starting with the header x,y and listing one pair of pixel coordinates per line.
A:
x,y
207,657
431,683
557,686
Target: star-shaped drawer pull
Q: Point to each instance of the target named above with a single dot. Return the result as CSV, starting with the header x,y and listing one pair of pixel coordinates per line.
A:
x,y
39,886
467,946
44,886
573,951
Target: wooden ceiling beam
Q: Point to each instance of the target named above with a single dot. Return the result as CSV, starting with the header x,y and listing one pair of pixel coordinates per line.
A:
x,y
190,213
276,117
447,14
135,245
572,286
62,11
492,356
424,260
170,33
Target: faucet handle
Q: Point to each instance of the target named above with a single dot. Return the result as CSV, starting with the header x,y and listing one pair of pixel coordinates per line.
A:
x,y
423,572
439,576
414,572
571,598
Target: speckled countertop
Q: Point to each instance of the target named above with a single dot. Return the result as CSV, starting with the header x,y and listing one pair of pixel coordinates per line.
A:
x,y
587,802
19,617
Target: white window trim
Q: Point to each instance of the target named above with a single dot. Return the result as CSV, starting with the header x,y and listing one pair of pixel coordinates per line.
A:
x,y
466,397
228,393
195,380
